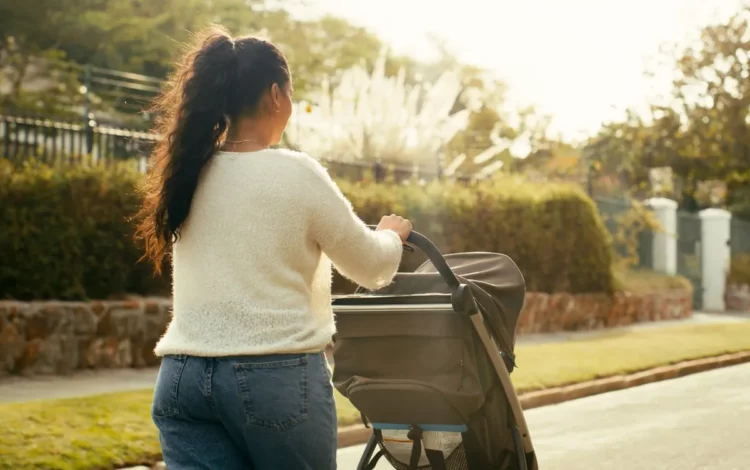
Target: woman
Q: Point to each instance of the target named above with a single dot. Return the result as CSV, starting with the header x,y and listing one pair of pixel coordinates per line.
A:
x,y
244,382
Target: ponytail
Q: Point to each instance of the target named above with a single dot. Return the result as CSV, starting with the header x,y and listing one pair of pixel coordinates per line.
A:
x,y
193,120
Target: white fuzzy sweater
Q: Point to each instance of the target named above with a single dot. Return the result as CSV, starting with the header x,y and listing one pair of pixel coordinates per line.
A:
x,y
251,269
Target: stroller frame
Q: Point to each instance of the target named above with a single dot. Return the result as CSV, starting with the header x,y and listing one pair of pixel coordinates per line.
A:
x,y
462,302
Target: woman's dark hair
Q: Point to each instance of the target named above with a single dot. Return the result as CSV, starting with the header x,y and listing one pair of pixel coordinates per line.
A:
x,y
218,80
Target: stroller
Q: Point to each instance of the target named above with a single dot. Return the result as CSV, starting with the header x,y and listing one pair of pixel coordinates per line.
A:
x,y
427,362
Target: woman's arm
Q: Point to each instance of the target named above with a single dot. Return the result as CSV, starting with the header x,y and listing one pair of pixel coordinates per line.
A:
x,y
369,258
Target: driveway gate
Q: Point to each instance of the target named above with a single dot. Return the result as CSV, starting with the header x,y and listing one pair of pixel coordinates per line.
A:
x,y
689,259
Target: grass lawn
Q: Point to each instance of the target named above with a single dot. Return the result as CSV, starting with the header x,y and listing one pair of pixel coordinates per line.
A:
x,y
553,364
107,431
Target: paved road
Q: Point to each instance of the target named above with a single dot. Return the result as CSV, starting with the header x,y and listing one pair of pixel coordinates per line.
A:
x,y
699,422
17,389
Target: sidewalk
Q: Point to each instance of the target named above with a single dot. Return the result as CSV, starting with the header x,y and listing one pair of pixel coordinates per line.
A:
x,y
84,383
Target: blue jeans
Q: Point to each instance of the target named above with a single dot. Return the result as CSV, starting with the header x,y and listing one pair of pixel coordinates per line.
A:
x,y
249,412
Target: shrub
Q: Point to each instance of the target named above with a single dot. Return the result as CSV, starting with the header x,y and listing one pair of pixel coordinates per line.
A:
x,y
739,271
553,232
67,234
641,281
631,226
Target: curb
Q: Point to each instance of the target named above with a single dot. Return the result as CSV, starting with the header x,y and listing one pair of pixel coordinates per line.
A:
x,y
358,434
353,435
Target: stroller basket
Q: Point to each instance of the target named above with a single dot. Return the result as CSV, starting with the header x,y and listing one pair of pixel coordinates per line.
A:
x,y
427,360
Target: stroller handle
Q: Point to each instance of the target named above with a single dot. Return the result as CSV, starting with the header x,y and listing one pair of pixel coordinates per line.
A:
x,y
425,245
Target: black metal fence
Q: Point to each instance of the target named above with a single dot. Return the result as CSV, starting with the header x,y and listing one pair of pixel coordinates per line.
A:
x,y
740,236
57,142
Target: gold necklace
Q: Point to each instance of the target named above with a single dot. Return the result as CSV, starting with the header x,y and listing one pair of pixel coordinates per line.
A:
x,y
235,142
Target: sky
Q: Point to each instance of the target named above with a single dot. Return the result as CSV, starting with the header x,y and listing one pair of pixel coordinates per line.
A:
x,y
580,61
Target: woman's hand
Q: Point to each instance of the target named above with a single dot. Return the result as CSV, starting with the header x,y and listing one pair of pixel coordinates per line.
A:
x,y
396,223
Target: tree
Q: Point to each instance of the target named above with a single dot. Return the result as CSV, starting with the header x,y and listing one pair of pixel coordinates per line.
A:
x,y
712,90
319,49
39,30
701,130
371,116
510,133
143,36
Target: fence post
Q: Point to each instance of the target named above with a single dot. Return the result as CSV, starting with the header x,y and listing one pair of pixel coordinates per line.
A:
x,y
716,253
379,172
86,93
664,242
88,129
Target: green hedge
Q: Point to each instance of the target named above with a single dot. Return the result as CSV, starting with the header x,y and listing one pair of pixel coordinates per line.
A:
x,y
553,232
66,234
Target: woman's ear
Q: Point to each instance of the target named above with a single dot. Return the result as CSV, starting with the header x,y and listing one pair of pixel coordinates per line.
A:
x,y
276,97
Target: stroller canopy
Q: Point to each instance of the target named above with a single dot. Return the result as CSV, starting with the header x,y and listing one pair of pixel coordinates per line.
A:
x,y
495,281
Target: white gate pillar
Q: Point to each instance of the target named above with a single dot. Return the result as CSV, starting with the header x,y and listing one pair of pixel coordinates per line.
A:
x,y
665,241
715,256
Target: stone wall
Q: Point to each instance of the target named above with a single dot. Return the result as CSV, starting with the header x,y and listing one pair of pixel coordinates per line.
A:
x,y
547,313
60,337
